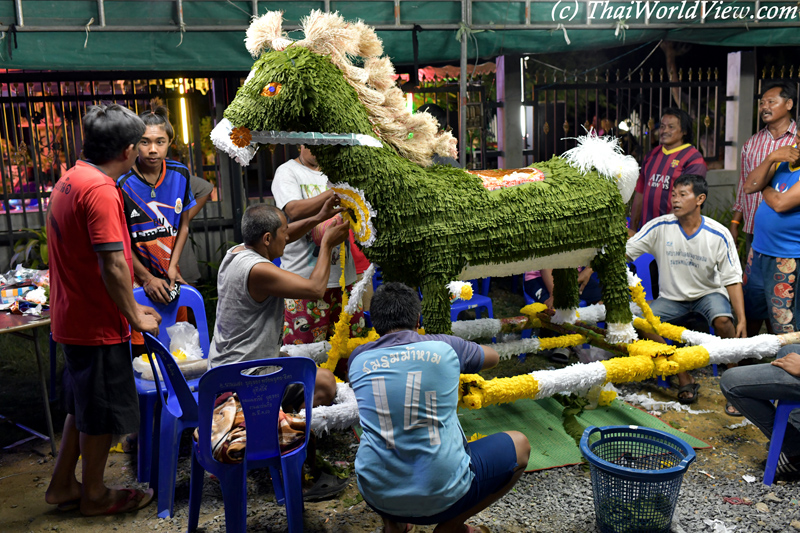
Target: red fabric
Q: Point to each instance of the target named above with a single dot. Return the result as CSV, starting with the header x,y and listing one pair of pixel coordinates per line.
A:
x,y
360,260
659,170
85,211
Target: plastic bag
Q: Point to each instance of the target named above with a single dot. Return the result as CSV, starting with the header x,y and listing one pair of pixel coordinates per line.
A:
x,y
185,337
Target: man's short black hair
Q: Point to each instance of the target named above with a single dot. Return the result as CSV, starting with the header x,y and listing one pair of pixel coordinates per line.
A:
x,y
436,112
698,183
259,220
788,91
108,130
685,120
394,306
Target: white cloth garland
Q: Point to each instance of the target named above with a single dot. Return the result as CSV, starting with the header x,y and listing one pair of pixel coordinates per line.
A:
x,y
578,378
357,294
341,415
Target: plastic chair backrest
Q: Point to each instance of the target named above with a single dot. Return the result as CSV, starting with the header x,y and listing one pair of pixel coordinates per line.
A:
x,y
180,400
377,277
643,271
189,297
260,397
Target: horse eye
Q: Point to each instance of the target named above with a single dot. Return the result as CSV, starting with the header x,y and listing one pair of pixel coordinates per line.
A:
x,y
271,89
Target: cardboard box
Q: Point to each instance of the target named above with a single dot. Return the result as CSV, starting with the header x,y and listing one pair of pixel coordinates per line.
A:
x,y
13,294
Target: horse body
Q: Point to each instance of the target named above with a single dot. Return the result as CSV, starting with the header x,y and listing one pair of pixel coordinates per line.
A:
x,y
435,224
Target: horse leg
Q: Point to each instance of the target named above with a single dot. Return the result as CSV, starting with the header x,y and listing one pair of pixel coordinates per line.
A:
x,y
612,271
436,305
565,288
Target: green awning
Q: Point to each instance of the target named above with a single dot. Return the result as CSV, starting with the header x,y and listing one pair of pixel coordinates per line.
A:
x,y
146,35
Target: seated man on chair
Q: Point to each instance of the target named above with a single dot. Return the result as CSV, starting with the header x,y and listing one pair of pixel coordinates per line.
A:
x,y
698,267
414,465
751,389
251,288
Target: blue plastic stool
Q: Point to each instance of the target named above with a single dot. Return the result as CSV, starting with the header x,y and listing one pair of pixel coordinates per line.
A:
x,y
782,413
260,397
192,299
178,412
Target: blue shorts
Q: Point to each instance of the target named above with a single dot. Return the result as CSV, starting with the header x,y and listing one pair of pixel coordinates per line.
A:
x,y
492,460
770,285
710,306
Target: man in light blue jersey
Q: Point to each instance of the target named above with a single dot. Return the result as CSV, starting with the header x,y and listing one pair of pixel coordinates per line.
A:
x,y
414,465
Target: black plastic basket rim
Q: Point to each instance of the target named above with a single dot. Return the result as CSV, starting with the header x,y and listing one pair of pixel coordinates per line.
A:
x,y
607,432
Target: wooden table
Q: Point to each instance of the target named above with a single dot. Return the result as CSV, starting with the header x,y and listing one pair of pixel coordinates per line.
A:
x,y
18,325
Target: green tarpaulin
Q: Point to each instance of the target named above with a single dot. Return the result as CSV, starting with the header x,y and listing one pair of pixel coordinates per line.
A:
x,y
54,36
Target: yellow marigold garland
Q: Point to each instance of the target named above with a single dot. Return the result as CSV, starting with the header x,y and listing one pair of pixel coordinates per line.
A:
x,y
531,311
651,348
690,357
626,369
341,336
606,397
563,341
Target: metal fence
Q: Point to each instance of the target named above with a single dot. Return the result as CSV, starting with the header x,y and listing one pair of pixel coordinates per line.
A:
x,y
41,137
559,105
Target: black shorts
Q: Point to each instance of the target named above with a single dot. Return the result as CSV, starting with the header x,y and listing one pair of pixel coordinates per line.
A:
x,y
100,390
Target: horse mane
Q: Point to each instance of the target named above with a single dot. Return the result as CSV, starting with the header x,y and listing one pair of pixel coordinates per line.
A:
x,y
415,137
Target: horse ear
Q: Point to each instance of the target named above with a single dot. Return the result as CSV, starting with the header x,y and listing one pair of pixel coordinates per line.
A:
x,y
266,32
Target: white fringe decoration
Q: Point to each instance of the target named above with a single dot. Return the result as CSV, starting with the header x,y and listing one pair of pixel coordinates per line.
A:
x,y
221,137
456,289
345,190
506,350
341,415
733,350
577,378
605,155
358,291
570,316
592,314
696,338
318,351
650,404
482,328
617,332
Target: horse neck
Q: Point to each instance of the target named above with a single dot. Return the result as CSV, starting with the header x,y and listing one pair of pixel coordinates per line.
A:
x,y
346,164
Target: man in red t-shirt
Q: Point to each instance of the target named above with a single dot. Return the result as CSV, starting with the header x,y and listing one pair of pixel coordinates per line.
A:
x,y
673,157
92,306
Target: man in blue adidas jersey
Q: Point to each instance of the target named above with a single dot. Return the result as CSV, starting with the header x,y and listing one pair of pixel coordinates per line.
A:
x,y
698,267
414,465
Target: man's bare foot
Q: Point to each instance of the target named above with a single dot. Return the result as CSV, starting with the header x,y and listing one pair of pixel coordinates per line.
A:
x,y
57,495
117,501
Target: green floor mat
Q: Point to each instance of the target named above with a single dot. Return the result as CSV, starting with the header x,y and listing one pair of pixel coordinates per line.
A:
x,y
540,421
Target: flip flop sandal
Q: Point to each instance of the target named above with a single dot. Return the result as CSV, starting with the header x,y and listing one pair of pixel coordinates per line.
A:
x,y
730,410
72,505
122,506
327,486
688,388
477,529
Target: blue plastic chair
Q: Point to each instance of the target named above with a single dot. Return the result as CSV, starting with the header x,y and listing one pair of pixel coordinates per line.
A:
x,y
178,412
642,264
260,397
191,298
477,302
782,413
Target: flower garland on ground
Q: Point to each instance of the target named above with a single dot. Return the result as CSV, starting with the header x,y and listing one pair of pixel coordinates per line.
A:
x,y
646,360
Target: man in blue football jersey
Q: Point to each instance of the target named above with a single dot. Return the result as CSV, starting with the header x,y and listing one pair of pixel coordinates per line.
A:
x,y
414,465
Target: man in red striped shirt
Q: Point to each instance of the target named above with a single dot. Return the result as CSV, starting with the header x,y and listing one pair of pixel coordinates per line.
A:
x,y
674,156
775,109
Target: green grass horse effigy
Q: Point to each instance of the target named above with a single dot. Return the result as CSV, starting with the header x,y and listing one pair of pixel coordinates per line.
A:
x,y
425,224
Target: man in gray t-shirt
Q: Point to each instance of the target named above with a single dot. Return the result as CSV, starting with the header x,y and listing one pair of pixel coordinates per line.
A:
x,y
300,189
251,288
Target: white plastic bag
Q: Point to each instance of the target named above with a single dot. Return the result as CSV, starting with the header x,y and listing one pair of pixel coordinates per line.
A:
x,y
185,337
